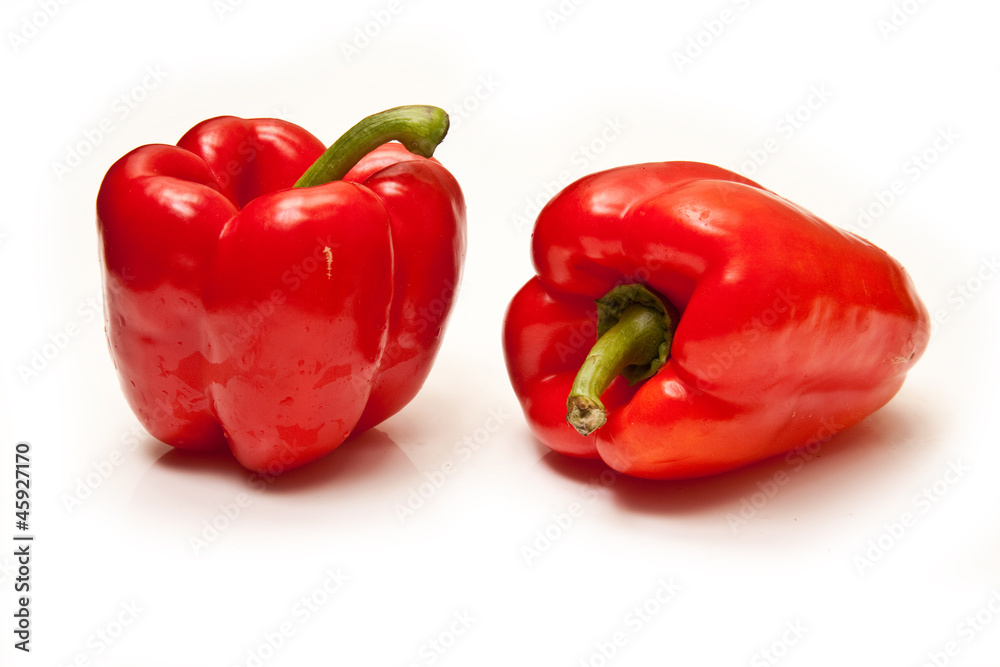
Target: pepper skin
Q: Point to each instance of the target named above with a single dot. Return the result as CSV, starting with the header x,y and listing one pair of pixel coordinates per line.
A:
x,y
789,329
278,320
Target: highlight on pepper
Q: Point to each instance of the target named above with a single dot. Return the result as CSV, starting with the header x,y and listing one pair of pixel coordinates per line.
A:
x,y
271,296
731,324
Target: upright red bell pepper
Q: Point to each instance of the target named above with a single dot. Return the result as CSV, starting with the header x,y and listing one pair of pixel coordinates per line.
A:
x,y
731,325
278,319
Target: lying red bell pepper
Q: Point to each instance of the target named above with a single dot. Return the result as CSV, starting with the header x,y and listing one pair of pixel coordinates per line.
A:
x,y
278,319
731,325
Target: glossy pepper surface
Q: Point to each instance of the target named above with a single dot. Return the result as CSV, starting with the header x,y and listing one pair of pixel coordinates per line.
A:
x,y
277,320
730,325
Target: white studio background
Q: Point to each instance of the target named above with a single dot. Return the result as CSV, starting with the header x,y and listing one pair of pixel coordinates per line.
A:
x,y
883,549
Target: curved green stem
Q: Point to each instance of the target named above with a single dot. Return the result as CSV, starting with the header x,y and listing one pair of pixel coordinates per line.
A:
x,y
635,333
420,128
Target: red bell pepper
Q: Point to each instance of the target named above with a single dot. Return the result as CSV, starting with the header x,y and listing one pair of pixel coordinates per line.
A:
x,y
279,319
731,325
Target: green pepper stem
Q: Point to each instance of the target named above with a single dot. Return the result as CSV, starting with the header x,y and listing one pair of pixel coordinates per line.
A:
x,y
639,340
420,128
